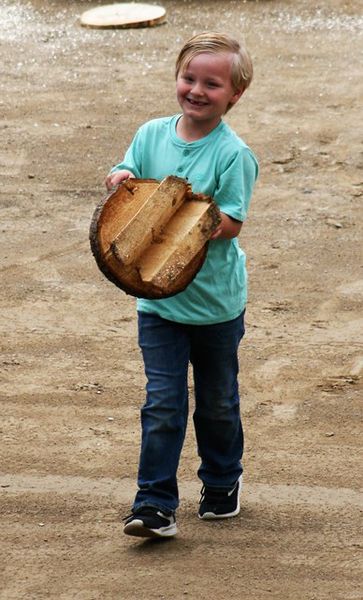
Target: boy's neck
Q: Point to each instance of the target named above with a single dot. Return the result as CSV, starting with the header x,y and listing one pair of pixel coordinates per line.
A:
x,y
190,131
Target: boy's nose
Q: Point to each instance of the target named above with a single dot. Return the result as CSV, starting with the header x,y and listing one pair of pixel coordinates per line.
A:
x,y
197,89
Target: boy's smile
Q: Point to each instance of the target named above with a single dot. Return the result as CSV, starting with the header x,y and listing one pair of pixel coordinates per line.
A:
x,y
204,90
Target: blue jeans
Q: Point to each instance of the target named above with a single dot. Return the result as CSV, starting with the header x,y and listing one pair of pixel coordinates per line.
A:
x,y
167,349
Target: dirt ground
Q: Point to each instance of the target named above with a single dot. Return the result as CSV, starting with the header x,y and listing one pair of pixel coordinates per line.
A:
x,y
71,375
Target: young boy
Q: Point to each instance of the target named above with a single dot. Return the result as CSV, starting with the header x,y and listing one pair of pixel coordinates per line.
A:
x,y
204,324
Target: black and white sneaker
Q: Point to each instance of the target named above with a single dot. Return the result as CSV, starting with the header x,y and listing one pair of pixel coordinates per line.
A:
x,y
218,503
151,523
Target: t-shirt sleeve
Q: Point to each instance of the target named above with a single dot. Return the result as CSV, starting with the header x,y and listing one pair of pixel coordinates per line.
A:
x,y
133,157
235,184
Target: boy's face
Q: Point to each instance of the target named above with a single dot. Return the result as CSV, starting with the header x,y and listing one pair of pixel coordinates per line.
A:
x,y
204,88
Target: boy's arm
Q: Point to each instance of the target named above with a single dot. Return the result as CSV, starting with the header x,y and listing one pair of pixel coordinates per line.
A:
x,y
131,165
227,229
234,193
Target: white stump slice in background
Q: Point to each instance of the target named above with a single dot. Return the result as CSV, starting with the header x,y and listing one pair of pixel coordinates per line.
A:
x,y
127,14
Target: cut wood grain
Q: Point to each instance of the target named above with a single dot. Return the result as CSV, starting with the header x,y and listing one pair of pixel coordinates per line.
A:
x,y
150,238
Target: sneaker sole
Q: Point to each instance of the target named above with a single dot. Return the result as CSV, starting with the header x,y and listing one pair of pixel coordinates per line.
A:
x,y
138,529
209,516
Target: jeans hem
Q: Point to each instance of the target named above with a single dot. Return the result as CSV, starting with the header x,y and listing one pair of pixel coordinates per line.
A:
x,y
224,487
165,509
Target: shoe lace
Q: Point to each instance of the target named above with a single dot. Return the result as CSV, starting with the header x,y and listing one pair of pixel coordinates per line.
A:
x,y
210,495
214,495
128,517
145,511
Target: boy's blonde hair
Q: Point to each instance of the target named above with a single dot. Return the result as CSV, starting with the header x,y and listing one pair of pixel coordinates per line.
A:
x,y
213,42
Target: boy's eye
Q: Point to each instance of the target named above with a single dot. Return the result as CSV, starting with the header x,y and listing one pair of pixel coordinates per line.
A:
x,y
188,78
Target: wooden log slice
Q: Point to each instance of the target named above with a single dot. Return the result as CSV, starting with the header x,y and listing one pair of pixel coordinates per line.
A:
x,y
122,15
150,238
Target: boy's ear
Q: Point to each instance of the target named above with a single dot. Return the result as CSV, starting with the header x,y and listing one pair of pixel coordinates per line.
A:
x,y
236,96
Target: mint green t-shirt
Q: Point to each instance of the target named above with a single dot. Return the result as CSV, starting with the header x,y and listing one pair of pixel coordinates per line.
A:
x,y
222,166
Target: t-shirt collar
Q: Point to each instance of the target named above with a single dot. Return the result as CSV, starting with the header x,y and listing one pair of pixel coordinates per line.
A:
x,y
196,143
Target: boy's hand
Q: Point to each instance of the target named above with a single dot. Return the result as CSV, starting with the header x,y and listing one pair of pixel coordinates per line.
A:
x,y
217,232
114,179
227,229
